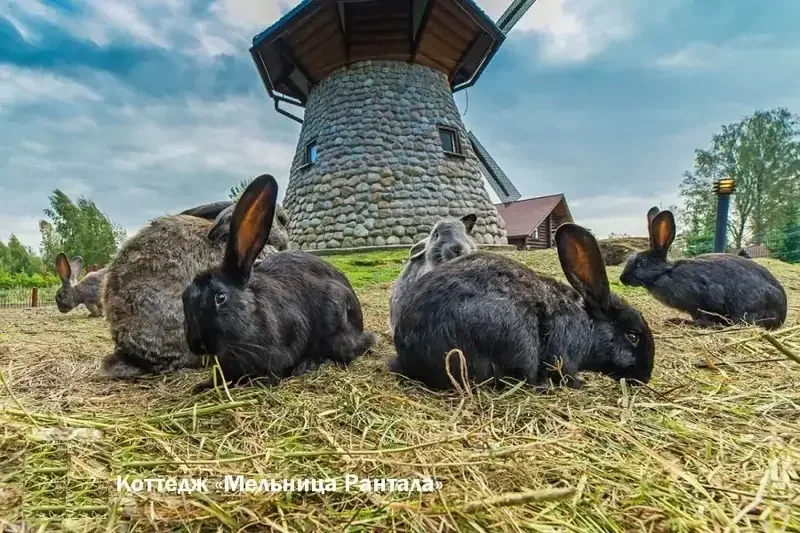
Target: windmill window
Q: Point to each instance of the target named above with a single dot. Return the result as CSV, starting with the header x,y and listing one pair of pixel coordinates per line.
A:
x,y
311,153
450,141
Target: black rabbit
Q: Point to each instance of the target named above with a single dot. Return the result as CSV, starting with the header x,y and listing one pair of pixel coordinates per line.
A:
x,y
509,321
715,289
142,288
284,316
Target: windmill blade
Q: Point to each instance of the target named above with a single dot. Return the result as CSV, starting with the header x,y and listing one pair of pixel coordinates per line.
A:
x,y
494,174
515,11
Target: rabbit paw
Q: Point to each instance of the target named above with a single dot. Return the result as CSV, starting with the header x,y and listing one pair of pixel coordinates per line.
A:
x,y
573,382
203,386
678,321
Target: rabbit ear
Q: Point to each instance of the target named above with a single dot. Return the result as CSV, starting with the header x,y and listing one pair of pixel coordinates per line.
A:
x,y
63,268
651,215
418,249
76,265
207,211
219,231
662,232
469,221
250,227
582,263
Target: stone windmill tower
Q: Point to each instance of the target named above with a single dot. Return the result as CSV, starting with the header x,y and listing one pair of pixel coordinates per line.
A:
x,y
383,152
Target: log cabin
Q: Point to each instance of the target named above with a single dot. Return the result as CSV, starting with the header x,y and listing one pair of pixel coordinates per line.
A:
x,y
531,223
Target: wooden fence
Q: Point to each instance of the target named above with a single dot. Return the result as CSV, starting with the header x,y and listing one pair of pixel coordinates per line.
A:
x,y
21,298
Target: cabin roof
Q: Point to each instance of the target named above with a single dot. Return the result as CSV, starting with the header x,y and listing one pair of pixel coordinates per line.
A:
x,y
524,216
317,37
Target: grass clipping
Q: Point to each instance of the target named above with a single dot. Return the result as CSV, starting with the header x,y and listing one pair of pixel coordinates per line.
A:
x,y
712,444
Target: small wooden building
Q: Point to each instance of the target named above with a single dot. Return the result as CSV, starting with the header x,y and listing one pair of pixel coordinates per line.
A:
x,y
531,223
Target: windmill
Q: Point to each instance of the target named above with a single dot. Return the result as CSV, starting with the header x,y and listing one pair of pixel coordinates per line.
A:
x,y
383,152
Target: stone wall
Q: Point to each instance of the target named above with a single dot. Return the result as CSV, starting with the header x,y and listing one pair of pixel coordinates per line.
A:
x,y
381,176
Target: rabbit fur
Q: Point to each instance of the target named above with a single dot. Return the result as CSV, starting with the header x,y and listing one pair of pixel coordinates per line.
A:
x,y
144,283
283,317
449,238
72,293
715,289
221,213
510,322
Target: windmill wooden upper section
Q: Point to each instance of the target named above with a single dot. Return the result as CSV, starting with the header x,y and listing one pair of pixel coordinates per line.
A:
x,y
320,36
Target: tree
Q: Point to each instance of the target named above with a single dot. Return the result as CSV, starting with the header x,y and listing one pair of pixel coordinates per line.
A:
x,y
238,189
762,153
788,247
17,258
78,228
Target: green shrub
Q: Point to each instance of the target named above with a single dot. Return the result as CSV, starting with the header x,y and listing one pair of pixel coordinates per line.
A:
x,y
28,281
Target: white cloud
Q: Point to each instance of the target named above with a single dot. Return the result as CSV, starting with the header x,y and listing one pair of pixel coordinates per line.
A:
x,y
21,28
704,55
573,30
251,15
25,227
618,213
138,161
25,86
97,21
34,8
34,147
166,24
209,44
202,136
110,16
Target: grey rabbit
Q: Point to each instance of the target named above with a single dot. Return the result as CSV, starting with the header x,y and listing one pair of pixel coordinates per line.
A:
x,y
510,322
715,289
72,293
286,316
221,213
145,281
449,238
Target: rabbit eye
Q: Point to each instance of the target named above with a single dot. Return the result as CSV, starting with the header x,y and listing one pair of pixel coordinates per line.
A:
x,y
220,298
642,262
633,338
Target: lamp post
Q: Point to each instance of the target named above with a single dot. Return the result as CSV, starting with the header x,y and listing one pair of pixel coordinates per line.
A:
x,y
723,188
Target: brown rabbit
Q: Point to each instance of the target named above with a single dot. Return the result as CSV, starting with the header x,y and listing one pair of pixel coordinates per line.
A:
x,y
144,283
72,292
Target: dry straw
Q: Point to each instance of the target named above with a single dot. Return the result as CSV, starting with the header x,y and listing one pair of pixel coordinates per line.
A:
x,y
711,444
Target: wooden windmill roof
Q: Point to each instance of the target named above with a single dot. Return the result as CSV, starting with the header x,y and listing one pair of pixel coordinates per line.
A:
x,y
319,36
524,216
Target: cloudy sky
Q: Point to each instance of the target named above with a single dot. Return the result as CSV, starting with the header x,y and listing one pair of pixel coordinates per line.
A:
x,y
150,106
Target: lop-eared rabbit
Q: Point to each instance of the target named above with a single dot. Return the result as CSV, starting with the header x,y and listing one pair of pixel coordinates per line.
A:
x,y
72,293
145,281
510,322
283,317
715,289
449,239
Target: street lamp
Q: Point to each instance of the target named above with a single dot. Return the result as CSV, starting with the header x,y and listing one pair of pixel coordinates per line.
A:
x,y
723,188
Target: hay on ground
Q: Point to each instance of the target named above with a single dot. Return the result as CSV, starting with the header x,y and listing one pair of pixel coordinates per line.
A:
x,y
712,444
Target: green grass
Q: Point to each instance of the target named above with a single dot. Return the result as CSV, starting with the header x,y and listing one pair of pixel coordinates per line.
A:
x,y
712,444
368,269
